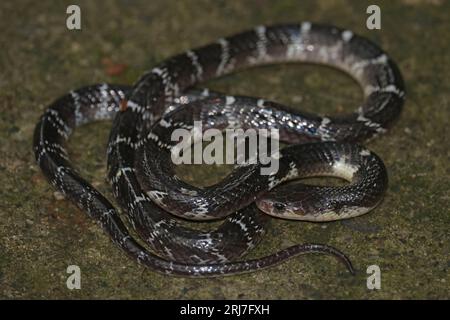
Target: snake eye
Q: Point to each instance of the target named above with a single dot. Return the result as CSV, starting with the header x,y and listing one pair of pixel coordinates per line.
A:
x,y
279,206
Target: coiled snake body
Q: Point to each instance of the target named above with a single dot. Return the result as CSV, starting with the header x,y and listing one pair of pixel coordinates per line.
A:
x,y
139,147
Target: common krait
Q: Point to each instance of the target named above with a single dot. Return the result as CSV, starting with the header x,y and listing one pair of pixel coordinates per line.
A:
x,y
186,252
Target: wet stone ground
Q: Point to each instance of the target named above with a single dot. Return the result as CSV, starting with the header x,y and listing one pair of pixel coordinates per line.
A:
x,y
407,236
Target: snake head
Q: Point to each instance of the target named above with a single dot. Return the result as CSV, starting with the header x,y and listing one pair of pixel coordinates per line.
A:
x,y
312,203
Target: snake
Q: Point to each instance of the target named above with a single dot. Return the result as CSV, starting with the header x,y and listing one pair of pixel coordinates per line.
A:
x,y
147,189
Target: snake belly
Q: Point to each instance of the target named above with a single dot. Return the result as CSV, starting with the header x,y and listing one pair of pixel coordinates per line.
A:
x,y
181,251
